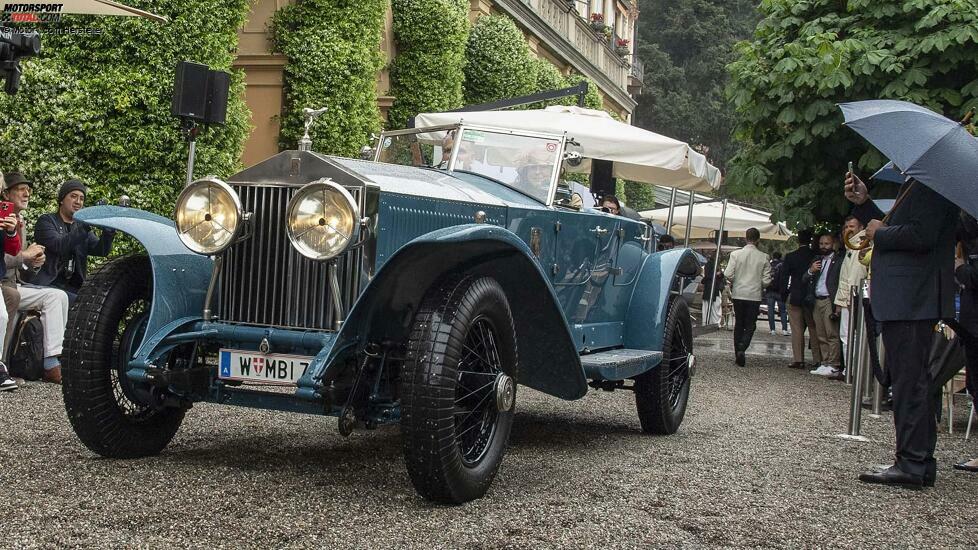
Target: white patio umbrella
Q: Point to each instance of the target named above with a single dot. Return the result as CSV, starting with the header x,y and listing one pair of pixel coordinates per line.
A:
x,y
706,220
96,7
637,154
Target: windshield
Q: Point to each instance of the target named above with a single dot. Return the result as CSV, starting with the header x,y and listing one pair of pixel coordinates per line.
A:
x,y
524,162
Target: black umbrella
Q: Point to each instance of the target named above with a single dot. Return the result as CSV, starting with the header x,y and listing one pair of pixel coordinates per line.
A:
x,y
932,149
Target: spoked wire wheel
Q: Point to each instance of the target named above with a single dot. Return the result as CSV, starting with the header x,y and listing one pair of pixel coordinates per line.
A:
x,y
476,410
661,394
130,333
458,389
106,324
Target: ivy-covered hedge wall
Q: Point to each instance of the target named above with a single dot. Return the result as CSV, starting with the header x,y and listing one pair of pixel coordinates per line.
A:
x,y
97,107
500,65
499,62
333,55
428,72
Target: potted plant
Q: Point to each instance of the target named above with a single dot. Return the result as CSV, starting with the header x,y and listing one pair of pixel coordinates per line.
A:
x,y
597,22
622,47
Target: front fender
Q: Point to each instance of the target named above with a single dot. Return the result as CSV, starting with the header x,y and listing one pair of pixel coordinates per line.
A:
x,y
548,359
646,319
180,276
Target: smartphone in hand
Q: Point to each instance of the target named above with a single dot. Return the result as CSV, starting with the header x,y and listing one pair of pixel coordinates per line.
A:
x,y
6,209
850,168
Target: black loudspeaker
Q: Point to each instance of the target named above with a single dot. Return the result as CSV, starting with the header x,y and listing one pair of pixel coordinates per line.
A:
x,y
190,91
218,85
602,180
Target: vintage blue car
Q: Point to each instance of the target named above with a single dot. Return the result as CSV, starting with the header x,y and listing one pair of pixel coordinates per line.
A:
x,y
419,288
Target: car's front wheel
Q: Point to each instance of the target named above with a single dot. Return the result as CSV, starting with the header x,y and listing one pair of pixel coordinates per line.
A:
x,y
106,324
459,389
662,393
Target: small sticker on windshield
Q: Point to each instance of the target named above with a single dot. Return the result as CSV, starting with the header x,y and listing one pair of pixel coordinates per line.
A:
x,y
551,147
473,136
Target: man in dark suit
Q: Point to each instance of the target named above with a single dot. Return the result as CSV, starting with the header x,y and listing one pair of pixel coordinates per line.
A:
x,y
793,288
912,288
822,282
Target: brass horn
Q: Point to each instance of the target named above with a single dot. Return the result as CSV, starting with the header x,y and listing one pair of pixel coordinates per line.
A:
x,y
863,244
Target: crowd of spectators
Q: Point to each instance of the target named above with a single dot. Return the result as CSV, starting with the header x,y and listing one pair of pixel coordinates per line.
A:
x,y
42,277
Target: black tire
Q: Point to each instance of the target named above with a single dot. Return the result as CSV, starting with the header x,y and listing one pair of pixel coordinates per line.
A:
x,y
662,393
104,326
463,337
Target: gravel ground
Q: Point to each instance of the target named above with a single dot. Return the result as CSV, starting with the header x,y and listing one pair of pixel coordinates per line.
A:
x,y
754,464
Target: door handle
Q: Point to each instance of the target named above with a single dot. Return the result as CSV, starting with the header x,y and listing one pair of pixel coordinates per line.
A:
x,y
599,231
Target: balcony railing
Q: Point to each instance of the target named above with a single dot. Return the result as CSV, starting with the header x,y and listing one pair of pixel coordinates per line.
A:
x,y
598,50
637,70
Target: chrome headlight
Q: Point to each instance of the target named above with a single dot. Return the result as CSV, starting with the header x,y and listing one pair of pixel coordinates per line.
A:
x,y
323,220
209,216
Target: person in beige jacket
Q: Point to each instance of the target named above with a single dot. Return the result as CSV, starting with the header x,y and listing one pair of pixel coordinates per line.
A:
x,y
851,273
750,271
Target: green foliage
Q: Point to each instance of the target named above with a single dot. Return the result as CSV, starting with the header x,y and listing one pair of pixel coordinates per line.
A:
x,y
685,47
807,56
499,63
97,107
333,55
427,74
641,196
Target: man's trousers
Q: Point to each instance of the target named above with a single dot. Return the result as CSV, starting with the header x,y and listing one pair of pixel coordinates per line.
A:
x,y
801,317
915,405
745,322
828,332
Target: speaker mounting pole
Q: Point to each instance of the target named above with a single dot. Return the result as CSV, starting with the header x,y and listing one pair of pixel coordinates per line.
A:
x,y
192,130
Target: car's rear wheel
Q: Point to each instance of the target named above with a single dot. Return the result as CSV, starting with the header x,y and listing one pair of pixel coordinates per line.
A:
x,y
459,389
662,393
105,326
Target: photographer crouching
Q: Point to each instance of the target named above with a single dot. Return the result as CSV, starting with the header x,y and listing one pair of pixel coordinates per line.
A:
x,y
68,242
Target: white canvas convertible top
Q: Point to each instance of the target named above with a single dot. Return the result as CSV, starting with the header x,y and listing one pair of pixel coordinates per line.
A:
x,y
638,155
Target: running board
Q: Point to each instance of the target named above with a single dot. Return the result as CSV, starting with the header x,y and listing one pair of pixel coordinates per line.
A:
x,y
619,364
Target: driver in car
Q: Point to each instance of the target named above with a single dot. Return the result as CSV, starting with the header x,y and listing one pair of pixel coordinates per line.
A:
x,y
535,172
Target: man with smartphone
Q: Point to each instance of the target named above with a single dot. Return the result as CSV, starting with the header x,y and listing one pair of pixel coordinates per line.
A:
x,y
52,303
912,288
68,242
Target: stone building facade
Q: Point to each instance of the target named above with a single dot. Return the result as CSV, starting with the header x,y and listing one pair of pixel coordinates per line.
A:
x,y
560,31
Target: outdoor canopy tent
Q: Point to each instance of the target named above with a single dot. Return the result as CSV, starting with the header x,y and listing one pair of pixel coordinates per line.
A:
x,y
637,154
706,220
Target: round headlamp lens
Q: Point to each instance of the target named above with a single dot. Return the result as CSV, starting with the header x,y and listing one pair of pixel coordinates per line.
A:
x,y
208,216
323,220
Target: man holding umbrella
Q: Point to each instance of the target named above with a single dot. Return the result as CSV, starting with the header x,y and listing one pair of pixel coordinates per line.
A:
x,y
913,264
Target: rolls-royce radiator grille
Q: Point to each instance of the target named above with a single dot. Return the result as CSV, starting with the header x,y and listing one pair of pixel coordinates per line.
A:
x,y
264,281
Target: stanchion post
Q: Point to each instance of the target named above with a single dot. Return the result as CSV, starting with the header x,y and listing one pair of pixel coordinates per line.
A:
x,y
672,211
877,387
861,353
855,319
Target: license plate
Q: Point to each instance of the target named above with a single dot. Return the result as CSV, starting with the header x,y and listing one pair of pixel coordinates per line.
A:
x,y
272,368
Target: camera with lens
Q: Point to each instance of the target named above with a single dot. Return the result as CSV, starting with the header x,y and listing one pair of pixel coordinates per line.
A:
x,y
15,46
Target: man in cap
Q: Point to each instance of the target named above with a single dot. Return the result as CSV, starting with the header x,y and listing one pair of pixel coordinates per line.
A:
x,y
52,303
68,242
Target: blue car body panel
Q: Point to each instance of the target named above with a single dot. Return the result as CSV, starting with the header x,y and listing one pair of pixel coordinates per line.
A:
x,y
180,276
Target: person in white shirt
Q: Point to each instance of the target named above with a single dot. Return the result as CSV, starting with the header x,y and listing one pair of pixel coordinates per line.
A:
x,y
823,278
850,274
750,271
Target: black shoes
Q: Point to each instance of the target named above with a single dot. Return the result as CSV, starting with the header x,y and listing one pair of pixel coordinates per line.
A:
x,y
965,467
741,359
895,477
798,366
